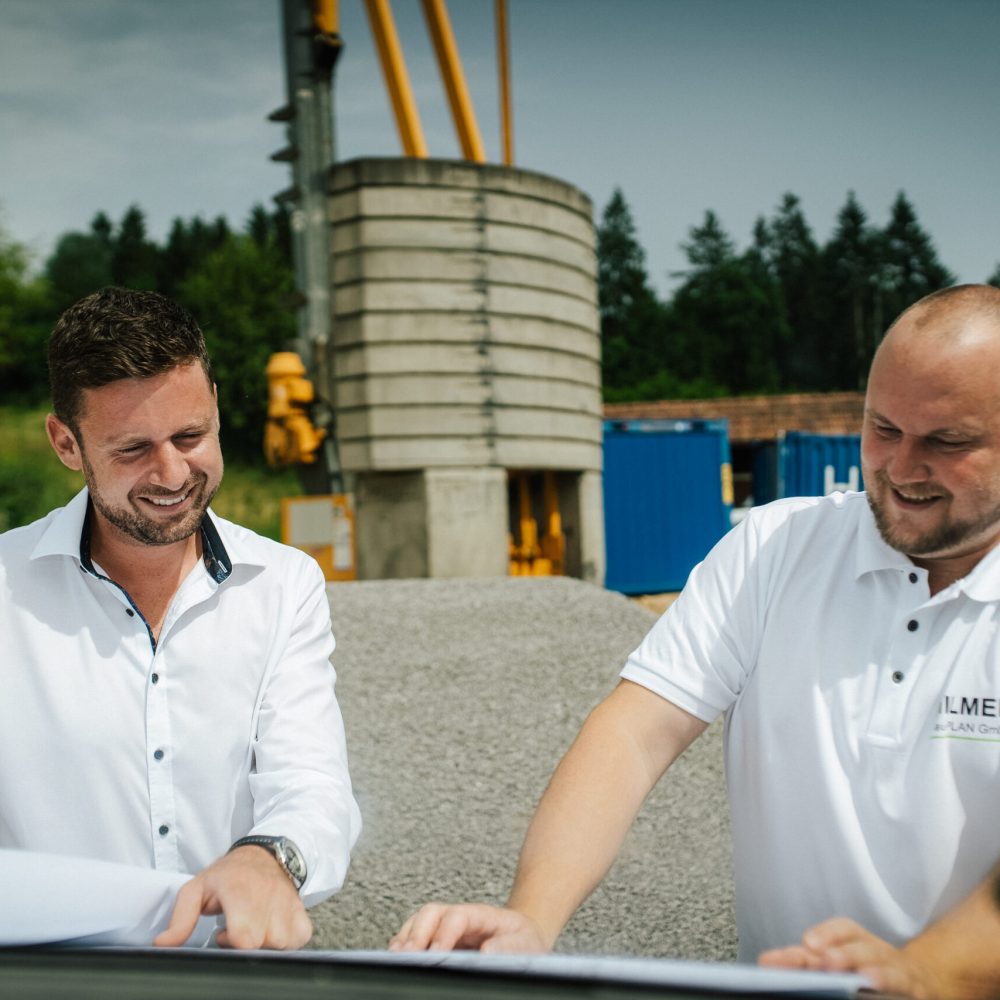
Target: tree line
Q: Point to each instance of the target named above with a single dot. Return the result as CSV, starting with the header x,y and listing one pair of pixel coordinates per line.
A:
x,y
787,314
240,286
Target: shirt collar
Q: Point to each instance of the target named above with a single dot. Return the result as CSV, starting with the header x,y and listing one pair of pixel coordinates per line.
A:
x,y
873,553
68,534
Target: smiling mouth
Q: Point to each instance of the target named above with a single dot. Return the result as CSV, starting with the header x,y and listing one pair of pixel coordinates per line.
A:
x,y
167,501
911,500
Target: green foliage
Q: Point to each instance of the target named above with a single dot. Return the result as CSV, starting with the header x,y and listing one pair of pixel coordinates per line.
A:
x,y
632,320
994,278
239,296
33,481
785,315
23,325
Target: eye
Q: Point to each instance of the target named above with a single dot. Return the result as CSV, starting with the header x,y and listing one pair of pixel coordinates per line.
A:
x,y
948,444
886,431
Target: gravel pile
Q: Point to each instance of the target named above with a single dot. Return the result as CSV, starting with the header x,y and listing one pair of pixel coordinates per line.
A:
x,y
459,698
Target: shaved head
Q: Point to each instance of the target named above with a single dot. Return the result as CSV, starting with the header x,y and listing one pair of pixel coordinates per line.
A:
x,y
931,439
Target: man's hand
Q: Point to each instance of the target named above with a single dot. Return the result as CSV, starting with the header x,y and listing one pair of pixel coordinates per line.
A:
x,y
841,945
249,887
469,926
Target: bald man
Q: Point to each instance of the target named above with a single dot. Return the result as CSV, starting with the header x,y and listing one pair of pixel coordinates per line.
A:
x,y
852,643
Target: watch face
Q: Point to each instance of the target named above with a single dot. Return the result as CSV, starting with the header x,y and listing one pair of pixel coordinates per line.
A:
x,y
293,859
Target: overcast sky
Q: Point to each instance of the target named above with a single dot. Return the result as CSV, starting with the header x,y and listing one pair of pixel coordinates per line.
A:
x,y
685,104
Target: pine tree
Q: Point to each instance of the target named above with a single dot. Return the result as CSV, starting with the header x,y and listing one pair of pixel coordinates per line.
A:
x,y
849,266
908,268
631,316
729,315
134,259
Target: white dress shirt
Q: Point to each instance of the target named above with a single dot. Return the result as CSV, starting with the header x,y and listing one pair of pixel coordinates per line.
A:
x,y
862,737
162,754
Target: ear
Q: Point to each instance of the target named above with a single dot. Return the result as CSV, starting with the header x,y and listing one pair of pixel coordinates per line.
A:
x,y
64,442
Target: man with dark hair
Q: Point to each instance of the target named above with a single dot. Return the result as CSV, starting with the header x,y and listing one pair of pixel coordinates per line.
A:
x,y
168,697
852,643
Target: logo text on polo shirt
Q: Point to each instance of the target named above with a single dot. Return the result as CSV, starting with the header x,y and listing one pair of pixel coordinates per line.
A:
x,y
968,717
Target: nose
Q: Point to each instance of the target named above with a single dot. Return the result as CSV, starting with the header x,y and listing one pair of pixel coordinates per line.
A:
x,y
907,462
170,469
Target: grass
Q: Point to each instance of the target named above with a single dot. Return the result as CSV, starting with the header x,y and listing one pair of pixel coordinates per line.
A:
x,y
33,481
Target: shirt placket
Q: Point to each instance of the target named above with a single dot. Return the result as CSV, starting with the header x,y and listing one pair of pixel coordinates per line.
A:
x,y
904,664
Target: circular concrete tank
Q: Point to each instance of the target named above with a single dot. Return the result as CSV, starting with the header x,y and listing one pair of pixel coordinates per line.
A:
x,y
465,343
465,318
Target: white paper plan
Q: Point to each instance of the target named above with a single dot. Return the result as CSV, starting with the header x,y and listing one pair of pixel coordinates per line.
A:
x,y
49,898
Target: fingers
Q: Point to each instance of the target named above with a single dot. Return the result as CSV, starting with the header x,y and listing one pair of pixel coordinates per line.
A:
x,y
187,909
794,957
284,933
837,945
441,927
259,903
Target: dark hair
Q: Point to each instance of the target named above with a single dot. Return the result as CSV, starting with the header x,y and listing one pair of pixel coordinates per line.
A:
x,y
118,333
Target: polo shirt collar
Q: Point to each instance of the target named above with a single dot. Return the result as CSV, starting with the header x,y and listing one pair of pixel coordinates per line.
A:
x,y
68,534
873,554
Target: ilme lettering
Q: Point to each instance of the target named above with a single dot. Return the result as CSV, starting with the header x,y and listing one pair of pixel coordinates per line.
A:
x,y
953,704
961,717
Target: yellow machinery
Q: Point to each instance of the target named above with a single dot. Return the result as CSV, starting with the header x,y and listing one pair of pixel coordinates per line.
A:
x,y
529,554
289,436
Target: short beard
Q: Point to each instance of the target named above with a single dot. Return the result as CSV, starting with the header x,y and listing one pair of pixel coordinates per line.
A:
x,y
145,530
942,539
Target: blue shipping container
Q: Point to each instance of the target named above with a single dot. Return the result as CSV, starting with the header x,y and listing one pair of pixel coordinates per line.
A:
x,y
667,500
816,464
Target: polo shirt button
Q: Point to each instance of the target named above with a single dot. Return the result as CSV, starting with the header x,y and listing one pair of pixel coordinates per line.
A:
x,y
912,625
164,830
130,612
158,755
155,678
897,676
914,578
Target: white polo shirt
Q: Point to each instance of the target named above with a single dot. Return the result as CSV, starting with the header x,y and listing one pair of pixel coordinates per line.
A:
x,y
161,755
863,718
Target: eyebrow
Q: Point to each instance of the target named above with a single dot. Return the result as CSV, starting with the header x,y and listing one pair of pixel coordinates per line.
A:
x,y
966,432
128,440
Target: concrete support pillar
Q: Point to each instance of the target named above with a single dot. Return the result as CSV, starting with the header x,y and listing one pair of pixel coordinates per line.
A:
x,y
432,523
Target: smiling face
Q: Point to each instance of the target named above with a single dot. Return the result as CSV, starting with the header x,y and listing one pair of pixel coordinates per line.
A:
x,y
930,445
149,452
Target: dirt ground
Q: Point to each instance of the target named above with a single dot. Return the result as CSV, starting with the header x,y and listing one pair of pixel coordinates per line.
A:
x,y
657,603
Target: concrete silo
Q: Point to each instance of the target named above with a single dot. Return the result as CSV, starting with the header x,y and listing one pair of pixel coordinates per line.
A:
x,y
465,345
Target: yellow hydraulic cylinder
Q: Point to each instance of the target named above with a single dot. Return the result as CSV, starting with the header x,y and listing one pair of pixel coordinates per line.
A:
x,y
503,64
325,16
289,435
439,26
396,78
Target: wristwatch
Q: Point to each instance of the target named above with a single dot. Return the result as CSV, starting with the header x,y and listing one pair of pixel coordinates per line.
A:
x,y
285,853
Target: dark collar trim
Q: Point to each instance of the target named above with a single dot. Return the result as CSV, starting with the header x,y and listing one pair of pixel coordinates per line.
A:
x,y
214,554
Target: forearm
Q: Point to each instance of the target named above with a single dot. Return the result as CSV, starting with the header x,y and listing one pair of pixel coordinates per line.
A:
x,y
595,793
961,951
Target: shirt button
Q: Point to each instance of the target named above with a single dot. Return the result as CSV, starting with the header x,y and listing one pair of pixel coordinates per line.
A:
x,y
130,612
914,578
164,830
158,755
912,625
155,678
897,677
